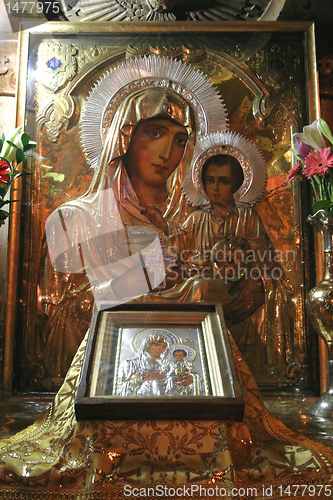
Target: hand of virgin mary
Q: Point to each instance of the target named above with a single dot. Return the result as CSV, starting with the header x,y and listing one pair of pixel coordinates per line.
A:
x,y
156,218
154,376
133,283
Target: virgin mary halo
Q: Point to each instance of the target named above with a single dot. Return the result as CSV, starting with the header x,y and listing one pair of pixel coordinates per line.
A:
x,y
141,337
149,72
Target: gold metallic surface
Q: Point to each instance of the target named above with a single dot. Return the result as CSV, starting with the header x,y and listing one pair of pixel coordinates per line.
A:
x,y
171,10
11,299
73,28
56,131
314,108
94,458
14,239
159,76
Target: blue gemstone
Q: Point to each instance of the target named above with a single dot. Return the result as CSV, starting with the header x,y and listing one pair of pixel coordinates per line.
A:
x,y
54,63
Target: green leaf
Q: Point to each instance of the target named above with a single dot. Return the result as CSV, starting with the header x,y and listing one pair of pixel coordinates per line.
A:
x,y
322,205
3,214
29,146
7,202
12,144
325,130
19,155
25,138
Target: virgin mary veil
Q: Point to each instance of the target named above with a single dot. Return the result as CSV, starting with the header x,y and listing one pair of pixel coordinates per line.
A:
x,y
104,231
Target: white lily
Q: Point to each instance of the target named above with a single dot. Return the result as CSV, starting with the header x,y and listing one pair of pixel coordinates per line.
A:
x,y
312,135
8,152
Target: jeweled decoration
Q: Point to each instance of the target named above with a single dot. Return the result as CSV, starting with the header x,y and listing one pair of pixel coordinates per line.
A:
x,y
54,63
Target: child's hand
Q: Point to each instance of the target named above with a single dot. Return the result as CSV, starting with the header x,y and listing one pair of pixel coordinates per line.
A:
x,y
187,380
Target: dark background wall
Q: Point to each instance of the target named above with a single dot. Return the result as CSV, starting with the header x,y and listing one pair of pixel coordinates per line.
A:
x,y
321,13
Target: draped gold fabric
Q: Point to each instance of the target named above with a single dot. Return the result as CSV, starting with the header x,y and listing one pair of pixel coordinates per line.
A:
x,y
59,457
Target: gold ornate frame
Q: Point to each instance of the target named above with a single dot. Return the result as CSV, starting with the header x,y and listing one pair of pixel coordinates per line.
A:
x,y
49,109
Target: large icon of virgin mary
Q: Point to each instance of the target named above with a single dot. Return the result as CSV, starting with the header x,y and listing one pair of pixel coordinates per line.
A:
x,y
139,130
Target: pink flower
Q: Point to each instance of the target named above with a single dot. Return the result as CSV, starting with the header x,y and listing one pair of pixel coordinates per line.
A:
x,y
294,172
318,162
303,149
4,171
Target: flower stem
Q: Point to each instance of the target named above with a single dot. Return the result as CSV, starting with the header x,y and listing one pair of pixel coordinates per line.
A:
x,y
314,187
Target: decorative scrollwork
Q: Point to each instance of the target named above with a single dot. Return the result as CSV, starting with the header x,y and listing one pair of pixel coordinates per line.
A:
x,y
7,75
172,10
56,114
58,64
297,376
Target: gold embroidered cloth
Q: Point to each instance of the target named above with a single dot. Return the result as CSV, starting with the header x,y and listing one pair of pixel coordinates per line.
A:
x,y
60,458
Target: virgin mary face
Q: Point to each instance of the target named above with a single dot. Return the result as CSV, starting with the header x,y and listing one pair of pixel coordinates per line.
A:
x,y
157,348
155,151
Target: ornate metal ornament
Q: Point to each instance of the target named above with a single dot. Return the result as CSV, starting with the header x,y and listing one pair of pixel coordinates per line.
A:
x,y
171,10
58,65
149,72
249,157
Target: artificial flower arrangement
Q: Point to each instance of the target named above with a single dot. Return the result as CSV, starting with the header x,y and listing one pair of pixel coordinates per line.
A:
x,y
14,148
315,161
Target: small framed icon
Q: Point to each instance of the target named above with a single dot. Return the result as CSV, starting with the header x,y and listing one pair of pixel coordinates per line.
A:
x,y
159,361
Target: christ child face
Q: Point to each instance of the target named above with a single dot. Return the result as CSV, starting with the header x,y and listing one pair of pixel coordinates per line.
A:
x,y
179,355
155,151
219,185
